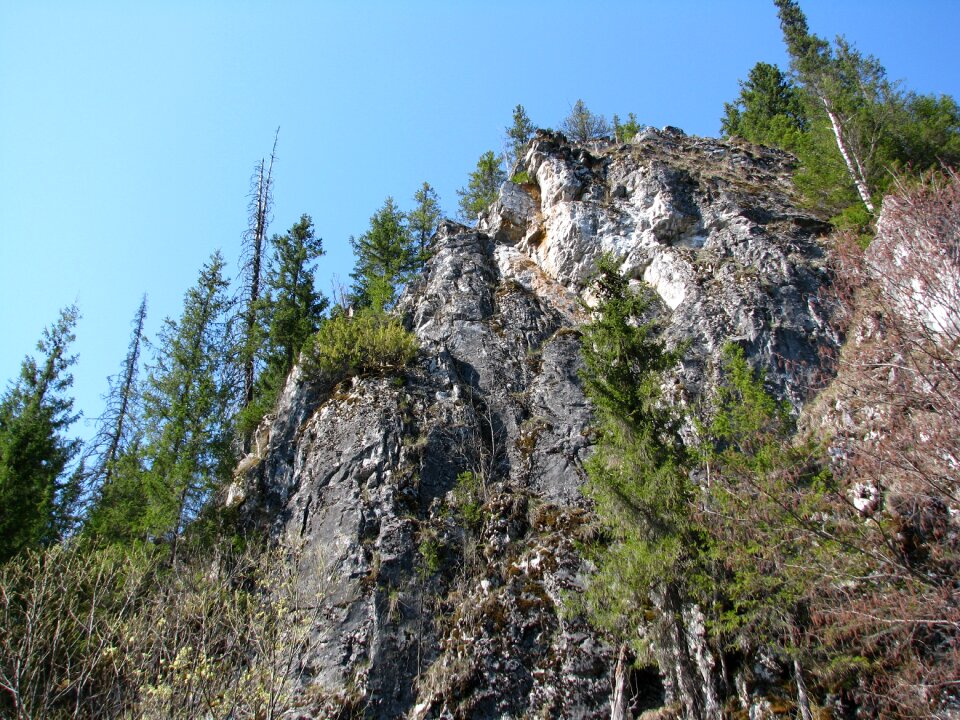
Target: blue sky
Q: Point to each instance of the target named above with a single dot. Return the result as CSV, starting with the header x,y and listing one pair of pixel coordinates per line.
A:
x,y
129,130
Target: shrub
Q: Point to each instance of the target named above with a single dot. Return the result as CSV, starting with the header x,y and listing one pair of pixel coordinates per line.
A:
x,y
369,342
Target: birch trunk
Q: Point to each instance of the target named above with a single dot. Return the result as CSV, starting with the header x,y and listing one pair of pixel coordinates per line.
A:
x,y
856,176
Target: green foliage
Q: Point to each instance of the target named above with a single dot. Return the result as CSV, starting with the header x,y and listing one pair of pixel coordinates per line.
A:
x,y
186,408
115,451
386,255
482,187
292,308
861,124
369,342
769,110
430,551
637,473
521,178
761,493
468,496
422,223
518,135
38,500
625,132
581,125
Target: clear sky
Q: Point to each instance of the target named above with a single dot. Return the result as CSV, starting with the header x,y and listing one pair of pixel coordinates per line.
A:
x,y
129,130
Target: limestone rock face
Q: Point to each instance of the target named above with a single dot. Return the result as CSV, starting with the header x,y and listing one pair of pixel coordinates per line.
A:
x,y
441,510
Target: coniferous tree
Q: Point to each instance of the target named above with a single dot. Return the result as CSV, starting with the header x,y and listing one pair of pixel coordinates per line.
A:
x,y
581,125
482,187
851,90
639,479
37,499
115,475
422,222
118,424
518,135
294,307
625,132
385,255
768,111
186,408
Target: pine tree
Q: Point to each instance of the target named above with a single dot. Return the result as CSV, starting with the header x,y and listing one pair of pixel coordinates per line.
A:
x,y
483,186
186,408
422,222
518,135
581,125
37,499
385,257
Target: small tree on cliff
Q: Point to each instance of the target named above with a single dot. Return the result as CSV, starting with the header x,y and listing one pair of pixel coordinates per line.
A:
x,y
518,135
581,125
422,222
482,187
385,257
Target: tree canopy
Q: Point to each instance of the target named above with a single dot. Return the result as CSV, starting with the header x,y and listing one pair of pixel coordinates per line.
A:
x,y
37,494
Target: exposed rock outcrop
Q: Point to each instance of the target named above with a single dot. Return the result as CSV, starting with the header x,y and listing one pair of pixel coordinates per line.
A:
x,y
442,508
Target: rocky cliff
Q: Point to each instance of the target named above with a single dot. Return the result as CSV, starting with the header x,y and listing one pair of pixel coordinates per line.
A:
x,y
438,513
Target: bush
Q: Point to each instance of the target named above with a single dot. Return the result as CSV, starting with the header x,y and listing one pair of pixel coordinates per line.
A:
x,y
118,633
369,342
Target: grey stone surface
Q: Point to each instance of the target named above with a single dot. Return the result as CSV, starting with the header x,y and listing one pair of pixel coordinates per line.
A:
x,y
427,612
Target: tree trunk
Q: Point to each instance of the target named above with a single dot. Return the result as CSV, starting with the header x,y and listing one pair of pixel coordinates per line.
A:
x,y
621,687
858,180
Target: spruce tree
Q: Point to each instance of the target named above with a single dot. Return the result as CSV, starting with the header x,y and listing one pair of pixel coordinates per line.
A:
x,y
482,187
768,111
38,500
385,257
639,478
115,475
294,307
422,222
186,408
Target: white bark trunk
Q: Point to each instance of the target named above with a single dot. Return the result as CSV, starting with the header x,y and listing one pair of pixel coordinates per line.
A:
x,y
621,687
855,174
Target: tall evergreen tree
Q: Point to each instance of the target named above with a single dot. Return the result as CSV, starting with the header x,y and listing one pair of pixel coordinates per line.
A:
x,y
37,499
639,479
293,306
115,475
422,222
385,256
482,187
850,89
118,423
768,111
518,135
186,408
